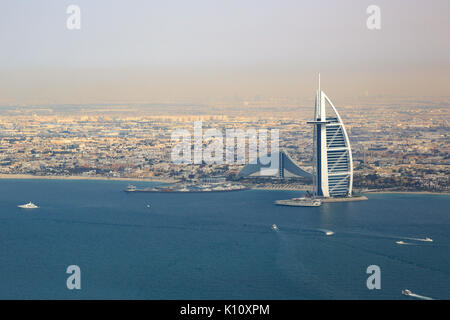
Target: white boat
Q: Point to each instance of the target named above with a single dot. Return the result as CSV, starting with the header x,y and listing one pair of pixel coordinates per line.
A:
x,y
428,239
274,227
399,242
406,292
300,202
130,188
29,205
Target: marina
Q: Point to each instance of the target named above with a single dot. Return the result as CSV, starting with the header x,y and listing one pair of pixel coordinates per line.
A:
x,y
300,202
190,188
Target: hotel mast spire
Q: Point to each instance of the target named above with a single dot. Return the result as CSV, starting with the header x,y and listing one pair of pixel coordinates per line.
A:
x,y
319,82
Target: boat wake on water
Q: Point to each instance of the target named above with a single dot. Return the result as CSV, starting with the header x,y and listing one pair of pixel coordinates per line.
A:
x,y
420,297
327,232
399,239
400,242
405,243
420,239
408,293
305,231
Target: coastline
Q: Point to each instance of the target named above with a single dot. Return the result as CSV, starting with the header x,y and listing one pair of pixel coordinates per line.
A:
x,y
30,176
168,180
282,188
406,192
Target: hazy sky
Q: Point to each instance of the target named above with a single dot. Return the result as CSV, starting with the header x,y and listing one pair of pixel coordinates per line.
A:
x,y
152,50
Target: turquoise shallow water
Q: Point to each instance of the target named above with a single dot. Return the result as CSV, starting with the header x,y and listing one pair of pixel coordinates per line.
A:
x,y
217,245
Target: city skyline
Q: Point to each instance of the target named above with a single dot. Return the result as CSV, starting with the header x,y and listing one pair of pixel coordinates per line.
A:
x,y
206,51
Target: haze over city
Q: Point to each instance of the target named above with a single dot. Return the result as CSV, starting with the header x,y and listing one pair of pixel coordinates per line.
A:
x,y
197,51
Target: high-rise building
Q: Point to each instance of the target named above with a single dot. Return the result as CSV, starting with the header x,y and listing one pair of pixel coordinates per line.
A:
x,y
332,155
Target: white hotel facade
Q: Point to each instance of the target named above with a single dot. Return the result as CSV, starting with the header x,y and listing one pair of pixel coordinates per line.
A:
x,y
332,154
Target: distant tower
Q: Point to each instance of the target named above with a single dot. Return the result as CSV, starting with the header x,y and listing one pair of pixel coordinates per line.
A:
x,y
364,158
332,155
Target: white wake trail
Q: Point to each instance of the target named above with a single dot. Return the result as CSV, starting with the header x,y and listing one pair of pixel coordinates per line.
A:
x,y
406,243
327,232
419,239
420,297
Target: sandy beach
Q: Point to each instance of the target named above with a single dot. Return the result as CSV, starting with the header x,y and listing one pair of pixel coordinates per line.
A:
x,y
29,176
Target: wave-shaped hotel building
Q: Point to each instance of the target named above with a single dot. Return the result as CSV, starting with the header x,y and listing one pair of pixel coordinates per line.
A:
x,y
332,174
332,154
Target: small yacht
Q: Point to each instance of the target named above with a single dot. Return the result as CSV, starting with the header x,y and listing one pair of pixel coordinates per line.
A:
x,y
300,202
406,292
399,242
274,227
148,206
428,239
130,188
29,205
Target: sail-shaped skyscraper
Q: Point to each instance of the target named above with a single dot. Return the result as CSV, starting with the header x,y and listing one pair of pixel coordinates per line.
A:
x,y
332,155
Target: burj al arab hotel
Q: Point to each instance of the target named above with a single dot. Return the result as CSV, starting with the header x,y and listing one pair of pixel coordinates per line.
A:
x,y
332,155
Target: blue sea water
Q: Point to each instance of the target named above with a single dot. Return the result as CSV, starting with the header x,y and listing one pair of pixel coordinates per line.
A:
x,y
216,245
